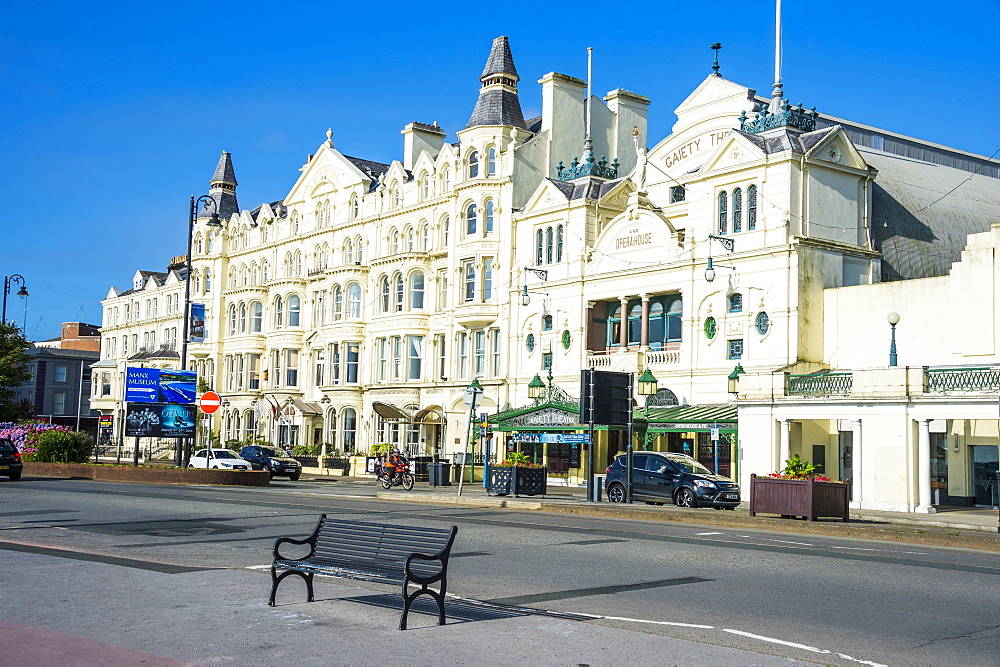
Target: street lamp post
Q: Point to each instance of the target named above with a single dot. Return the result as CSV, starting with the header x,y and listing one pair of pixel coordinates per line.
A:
x,y
23,292
213,221
893,320
473,397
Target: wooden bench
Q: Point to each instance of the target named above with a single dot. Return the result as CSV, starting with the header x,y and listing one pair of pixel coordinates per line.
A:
x,y
375,552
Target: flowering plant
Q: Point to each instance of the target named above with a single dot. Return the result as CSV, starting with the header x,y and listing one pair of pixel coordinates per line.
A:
x,y
518,460
799,468
25,436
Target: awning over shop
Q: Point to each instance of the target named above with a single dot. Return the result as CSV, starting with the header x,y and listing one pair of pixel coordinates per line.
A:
x,y
390,412
690,417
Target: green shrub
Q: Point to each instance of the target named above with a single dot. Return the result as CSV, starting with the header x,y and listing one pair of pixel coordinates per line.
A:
x,y
64,447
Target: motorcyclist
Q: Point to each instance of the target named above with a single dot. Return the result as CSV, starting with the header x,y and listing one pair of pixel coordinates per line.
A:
x,y
395,464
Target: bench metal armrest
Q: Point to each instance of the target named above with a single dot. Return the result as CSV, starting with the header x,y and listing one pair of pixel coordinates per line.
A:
x,y
311,541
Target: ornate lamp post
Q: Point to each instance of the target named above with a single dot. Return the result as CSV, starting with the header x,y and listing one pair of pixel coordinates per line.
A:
x,y
893,320
23,292
213,221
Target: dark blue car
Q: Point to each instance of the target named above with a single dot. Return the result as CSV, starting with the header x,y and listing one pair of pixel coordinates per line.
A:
x,y
659,477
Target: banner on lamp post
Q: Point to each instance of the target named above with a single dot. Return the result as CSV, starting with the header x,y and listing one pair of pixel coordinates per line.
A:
x,y
197,328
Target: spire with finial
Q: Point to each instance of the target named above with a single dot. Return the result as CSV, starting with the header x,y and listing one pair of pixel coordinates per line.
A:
x,y
222,188
715,66
329,137
777,96
498,103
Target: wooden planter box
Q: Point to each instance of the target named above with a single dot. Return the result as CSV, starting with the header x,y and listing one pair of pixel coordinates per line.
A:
x,y
798,497
515,481
125,473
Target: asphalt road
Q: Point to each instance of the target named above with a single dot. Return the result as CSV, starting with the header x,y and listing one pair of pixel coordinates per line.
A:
x,y
811,598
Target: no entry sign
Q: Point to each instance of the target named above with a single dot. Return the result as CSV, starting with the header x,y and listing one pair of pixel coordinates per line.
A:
x,y
209,402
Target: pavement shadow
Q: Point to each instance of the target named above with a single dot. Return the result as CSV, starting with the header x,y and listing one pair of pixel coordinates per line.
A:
x,y
456,611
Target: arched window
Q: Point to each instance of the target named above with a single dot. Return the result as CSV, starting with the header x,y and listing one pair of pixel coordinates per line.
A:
x,y
539,247
232,277
399,293
338,302
384,291
445,229
244,275
394,242
470,219
254,274
664,320
559,243
425,237
209,242
489,216
634,322
197,245
417,291
287,266
295,222
614,324
737,210
232,319
546,323
348,252
473,164
243,318
723,212
279,312
294,310
354,207
264,271
354,301
396,197
350,433
446,179
425,187
298,263
736,303
548,245
256,317
359,246
208,280
331,429
491,161
410,240
752,207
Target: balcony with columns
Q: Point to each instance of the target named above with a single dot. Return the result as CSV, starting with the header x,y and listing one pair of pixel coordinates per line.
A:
x,y
639,332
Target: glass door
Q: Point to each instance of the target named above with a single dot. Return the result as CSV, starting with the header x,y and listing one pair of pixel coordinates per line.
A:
x,y
984,469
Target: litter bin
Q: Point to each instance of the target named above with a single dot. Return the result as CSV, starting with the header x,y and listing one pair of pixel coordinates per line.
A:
x,y
595,493
439,474
420,464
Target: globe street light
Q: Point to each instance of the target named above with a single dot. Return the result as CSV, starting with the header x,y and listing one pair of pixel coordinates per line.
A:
x,y
893,320
7,280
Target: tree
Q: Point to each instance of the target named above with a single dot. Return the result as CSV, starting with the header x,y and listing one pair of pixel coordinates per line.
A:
x,y
15,369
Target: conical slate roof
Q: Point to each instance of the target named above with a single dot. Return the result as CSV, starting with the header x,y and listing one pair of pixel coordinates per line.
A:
x,y
498,103
500,60
224,172
222,188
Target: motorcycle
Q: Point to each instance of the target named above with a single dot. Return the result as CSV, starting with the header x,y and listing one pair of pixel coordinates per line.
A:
x,y
401,477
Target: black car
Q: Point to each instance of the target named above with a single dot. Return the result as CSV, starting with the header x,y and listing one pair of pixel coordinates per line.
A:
x,y
10,460
274,460
659,477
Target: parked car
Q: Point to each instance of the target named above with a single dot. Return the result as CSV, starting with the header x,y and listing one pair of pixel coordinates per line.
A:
x,y
659,477
10,460
271,459
221,459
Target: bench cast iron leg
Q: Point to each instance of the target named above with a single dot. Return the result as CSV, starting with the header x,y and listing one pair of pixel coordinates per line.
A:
x,y
423,590
276,579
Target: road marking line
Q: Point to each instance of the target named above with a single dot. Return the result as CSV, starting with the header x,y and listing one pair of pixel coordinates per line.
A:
x,y
801,646
709,533
803,544
258,567
642,620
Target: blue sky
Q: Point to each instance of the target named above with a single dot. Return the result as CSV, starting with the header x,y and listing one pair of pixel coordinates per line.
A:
x,y
115,112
